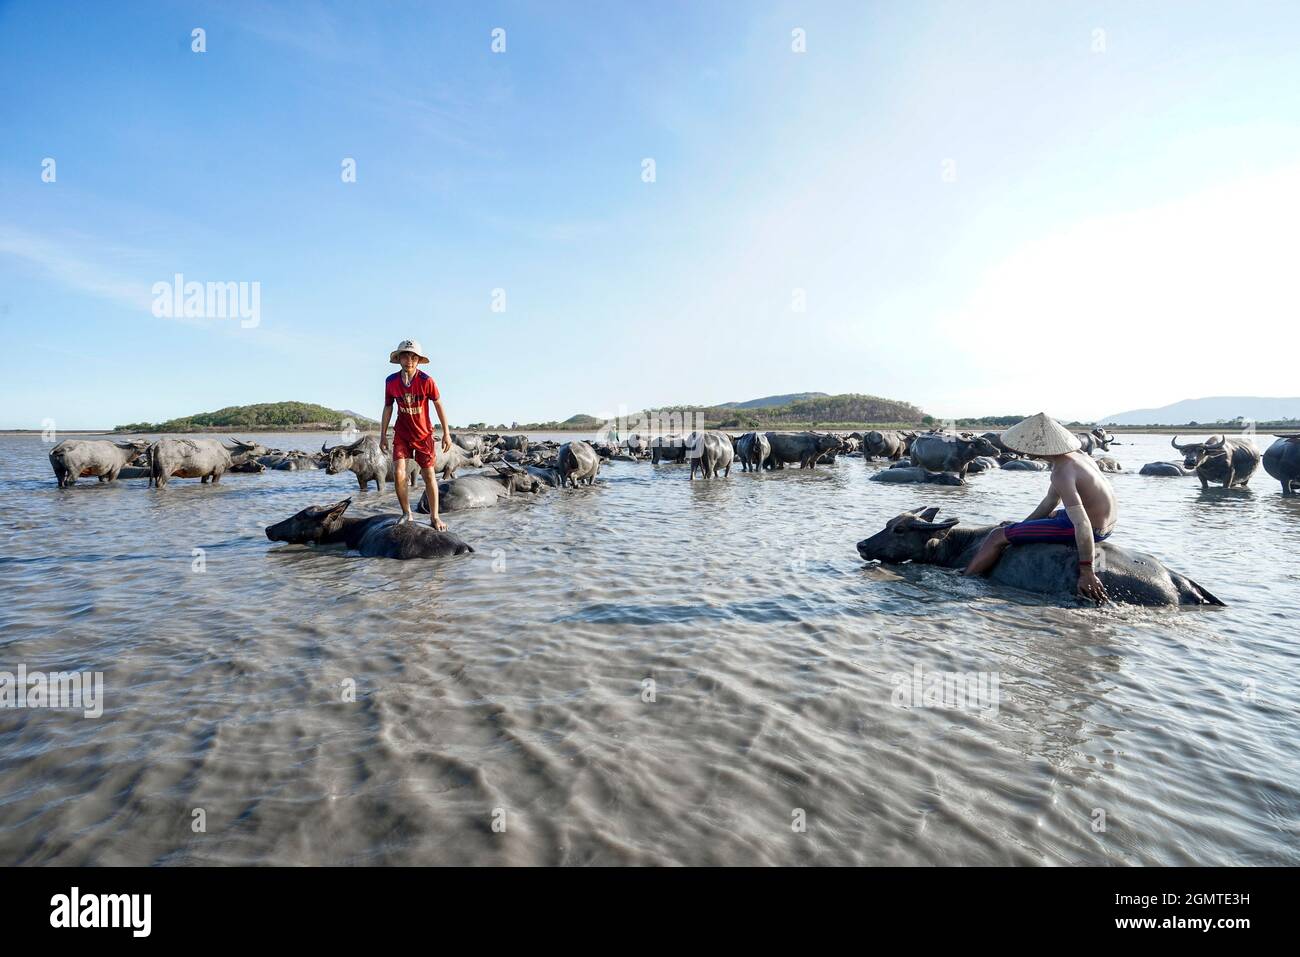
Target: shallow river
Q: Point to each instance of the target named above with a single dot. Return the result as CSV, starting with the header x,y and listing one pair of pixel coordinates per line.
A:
x,y
649,671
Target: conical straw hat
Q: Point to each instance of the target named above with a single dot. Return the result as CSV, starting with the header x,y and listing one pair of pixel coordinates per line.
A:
x,y
1040,435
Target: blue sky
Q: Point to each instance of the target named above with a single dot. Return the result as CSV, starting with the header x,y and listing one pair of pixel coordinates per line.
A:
x,y
989,208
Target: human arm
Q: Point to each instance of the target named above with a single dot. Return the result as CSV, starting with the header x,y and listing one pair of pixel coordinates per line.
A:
x,y
1089,584
446,429
383,423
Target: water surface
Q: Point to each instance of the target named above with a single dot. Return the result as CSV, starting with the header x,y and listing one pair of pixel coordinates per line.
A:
x,y
511,685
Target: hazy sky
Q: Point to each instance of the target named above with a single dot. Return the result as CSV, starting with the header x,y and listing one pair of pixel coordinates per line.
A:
x,y
985,208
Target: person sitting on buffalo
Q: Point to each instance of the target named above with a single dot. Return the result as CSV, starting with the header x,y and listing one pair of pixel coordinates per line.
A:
x,y
1088,513
412,390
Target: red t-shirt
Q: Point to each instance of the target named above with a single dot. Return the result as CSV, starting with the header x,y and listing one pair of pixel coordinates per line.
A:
x,y
412,403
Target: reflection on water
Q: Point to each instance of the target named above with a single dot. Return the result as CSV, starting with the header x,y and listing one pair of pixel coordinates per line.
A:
x,y
646,671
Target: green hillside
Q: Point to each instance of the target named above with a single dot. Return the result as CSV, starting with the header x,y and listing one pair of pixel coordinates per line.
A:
x,y
264,415
821,411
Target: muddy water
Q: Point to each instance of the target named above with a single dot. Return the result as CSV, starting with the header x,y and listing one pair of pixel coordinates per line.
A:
x,y
648,671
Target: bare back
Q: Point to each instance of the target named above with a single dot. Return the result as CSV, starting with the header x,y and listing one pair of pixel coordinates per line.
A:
x,y
1079,473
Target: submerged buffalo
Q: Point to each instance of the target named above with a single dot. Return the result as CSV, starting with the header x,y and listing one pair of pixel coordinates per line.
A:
x,y
910,473
1282,461
577,462
1108,463
752,450
1163,468
950,453
367,461
547,476
204,459
72,459
1052,569
482,490
379,536
711,453
1024,465
1230,461
802,447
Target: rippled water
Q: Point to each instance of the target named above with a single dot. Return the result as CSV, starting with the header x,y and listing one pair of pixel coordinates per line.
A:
x,y
509,686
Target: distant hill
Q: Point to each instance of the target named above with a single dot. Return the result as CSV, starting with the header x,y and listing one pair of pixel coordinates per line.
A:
x,y
303,416
1210,410
820,411
771,400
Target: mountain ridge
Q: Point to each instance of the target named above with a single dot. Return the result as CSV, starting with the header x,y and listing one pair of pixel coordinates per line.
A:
x,y
1210,410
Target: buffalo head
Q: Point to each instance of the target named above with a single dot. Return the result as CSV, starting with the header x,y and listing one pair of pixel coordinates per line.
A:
x,y
339,457
1196,454
906,537
310,525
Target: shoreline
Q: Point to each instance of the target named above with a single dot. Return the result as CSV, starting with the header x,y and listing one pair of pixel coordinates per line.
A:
x,y
782,427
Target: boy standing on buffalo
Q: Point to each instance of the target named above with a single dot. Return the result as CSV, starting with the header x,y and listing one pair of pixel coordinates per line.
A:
x,y
412,390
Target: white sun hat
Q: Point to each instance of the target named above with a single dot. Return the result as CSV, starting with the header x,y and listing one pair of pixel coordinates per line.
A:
x,y
407,345
1040,435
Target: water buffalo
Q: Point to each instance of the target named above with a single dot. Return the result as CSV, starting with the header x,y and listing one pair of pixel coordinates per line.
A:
x,y
1096,440
514,443
242,452
446,463
72,459
1163,468
949,453
888,444
547,476
481,490
752,450
637,444
292,461
577,462
802,447
910,473
367,461
471,443
1024,465
667,448
711,453
1108,463
379,536
1282,461
1230,461
1131,577
203,459
995,439
982,464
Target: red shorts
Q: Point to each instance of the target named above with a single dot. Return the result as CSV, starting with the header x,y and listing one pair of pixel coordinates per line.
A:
x,y
419,449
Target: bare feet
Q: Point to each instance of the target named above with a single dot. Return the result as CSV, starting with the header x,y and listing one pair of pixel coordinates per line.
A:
x,y
438,524
406,517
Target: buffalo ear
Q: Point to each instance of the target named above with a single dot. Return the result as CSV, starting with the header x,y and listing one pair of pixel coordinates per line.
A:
x,y
928,514
334,512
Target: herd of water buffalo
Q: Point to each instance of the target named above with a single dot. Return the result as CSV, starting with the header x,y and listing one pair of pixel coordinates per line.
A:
x,y
520,466
934,457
